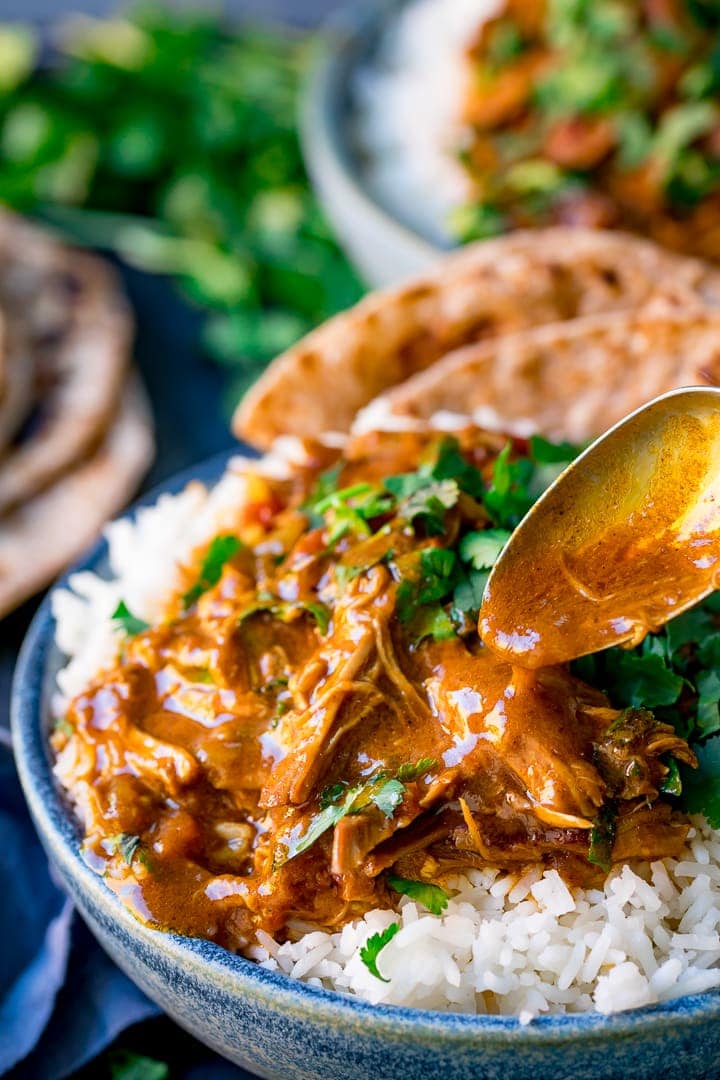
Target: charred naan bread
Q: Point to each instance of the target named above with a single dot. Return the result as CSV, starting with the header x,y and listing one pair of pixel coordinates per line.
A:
x,y
75,439
569,380
69,332
43,535
492,288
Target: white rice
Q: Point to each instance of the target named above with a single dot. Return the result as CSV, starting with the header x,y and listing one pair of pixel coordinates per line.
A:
x,y
507,944
407,106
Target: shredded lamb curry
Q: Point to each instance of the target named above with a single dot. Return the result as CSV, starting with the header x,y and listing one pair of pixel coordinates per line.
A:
x,y
316,718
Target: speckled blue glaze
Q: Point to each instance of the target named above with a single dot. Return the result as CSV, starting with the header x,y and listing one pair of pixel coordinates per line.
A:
x,y
284,1030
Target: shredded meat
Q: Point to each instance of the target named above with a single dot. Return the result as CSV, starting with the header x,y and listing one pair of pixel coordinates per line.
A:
x,y
263,755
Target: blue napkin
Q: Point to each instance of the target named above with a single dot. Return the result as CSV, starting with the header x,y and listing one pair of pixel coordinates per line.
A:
x,y
60,995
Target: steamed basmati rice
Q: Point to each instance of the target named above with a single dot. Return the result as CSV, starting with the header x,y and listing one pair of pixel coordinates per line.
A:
x,y
507,944
408,102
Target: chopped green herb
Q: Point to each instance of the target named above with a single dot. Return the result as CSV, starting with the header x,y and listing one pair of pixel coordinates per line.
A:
x,y
432,897
701,788
379,791
374,945
388,797
637,680
481,549
126,1065
508,498
414,770
125,844
63,725
602,836
286,610
221,550
128,622
708,714
672,783
468,592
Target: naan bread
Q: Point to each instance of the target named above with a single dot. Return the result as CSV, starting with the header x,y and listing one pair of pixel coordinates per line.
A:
x,y
68,323
569,380
492,288
40,538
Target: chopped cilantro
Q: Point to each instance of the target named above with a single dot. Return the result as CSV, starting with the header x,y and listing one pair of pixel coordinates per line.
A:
x,y
708,714
549,453
602,836
128,622
125,844
388,797
468,592
429,504
373,947
126,1065
508,498
640,680
432,897
221,550
63,725
285,610
701,788
481,549
672,783
325,485
381,792
413,770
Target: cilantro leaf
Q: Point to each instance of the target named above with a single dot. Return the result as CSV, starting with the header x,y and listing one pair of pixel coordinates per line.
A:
x,y
430,582
508,498
451,465
708,713
701,788
126,1065
286,609
388,797
635,680
432,622
672,783
432,897
221,550
374,945
551,453
326,484
691,626
414,770
468,592
481,549
430,504
379,791
602,836
350,509
128,622
125,844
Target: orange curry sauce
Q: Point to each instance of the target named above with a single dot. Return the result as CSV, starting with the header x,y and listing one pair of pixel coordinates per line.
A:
x,y
201,763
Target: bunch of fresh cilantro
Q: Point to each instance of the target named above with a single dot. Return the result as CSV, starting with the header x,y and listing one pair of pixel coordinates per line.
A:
x,y
171,139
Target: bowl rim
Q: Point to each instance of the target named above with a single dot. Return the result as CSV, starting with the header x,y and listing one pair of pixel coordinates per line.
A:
x,y
226,971
340,42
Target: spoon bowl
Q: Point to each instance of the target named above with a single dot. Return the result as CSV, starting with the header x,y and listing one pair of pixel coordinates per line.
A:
x,y
625,539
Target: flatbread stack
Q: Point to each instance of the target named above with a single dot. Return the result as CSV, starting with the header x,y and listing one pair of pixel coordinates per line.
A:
x,y
75,427
559,332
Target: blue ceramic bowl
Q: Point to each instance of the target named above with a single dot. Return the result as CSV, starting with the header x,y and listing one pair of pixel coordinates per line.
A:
x,y
383,248
285,1030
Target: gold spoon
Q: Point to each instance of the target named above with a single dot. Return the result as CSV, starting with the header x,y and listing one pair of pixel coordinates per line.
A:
x,y
625,539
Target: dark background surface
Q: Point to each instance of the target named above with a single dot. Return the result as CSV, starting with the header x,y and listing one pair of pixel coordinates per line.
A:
x,y
191,416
